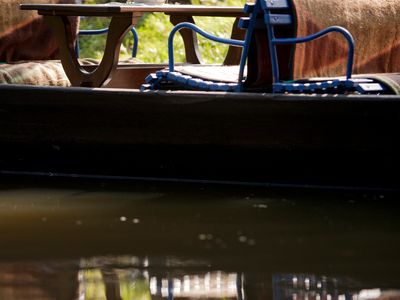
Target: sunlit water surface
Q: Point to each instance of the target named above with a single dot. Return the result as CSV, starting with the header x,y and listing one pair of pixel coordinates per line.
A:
x,y
81,239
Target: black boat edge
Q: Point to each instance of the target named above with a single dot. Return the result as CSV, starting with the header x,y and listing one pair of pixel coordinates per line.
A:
x,y
332,140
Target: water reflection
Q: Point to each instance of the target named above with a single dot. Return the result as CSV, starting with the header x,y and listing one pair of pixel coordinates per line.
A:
x,y
101,240
115,281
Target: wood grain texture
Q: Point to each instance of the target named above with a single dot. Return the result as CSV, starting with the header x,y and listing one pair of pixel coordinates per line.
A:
x,y
104,9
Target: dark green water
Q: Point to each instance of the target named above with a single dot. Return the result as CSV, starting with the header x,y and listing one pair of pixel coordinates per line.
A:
x,y
94,239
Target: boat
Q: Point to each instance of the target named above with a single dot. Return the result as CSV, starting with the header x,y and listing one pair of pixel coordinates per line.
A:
x,y
244,137
271,139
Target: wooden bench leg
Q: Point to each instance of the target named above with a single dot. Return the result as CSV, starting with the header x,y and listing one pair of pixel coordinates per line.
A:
x,y
77,75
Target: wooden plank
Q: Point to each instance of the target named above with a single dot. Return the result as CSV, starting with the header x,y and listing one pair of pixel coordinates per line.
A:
x,y
130,75
103,9
72,9
188,9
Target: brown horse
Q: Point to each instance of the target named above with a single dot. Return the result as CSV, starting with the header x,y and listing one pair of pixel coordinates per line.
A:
x,y
24,35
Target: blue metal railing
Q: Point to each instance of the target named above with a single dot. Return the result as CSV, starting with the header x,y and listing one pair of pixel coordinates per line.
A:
x,y
238,43
104,31
269,20
343,31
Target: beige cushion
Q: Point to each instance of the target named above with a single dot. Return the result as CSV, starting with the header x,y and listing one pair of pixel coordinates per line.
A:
x,y
45,72
34,73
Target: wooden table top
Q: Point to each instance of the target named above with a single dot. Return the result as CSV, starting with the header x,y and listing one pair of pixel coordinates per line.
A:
x,y
113,9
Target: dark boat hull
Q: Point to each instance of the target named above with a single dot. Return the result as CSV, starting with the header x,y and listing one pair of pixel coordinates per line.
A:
x,y
280,139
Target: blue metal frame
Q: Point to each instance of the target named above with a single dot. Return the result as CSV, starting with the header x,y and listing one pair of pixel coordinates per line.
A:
x,y
263,6
103,31
249,33
269,21
343,31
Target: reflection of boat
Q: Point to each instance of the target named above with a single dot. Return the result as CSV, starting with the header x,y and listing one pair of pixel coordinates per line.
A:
x,y
62,236
79,280
209,285
333,140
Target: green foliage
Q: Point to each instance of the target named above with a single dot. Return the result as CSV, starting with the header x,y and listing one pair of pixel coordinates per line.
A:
x,y
137,289
153,31
213,52
93,287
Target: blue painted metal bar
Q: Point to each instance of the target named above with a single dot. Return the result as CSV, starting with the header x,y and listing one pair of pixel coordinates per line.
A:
x,y
256,8
187,25
248,8
103,31
93,31
276,4
279,19
343,31
135,41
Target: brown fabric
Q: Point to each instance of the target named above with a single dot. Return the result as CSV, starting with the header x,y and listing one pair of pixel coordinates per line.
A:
x,y
374,24
24,35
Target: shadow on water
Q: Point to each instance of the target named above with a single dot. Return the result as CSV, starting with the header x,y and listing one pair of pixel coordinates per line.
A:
x,y
95,239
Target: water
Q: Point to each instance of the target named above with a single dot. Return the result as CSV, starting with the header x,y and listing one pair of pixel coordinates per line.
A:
x,y
95,239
